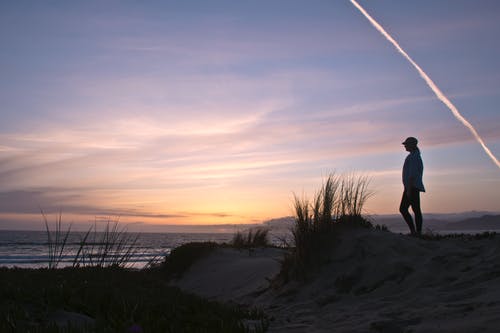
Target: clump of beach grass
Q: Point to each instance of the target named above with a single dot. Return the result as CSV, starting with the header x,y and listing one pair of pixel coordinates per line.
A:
x,y
113,246
256,237
338,203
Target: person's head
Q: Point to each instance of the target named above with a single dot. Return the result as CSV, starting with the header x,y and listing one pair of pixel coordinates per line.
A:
x,y
410,143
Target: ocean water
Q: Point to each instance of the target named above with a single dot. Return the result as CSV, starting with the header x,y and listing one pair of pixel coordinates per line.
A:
x,y
29,249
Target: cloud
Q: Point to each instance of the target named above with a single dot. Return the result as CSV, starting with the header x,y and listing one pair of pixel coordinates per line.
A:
x,y
135,204
56,200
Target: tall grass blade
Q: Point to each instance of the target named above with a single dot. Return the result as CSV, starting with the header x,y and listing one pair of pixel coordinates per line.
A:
x,y
56,242
80,254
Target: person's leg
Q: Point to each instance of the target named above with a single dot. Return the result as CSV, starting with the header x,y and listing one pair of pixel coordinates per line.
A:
x,y
415,206
403,209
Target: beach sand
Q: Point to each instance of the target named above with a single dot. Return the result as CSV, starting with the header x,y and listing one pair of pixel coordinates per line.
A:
x,y
376,281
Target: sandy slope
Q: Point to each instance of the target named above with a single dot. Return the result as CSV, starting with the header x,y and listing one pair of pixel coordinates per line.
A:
x,y
233,275
376,282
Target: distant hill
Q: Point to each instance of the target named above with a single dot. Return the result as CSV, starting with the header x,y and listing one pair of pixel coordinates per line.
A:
x,y
280,223
468,221
486,222
445,222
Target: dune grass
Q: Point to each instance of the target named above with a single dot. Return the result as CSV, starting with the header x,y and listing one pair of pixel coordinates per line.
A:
x,y
338,203
113,246
256,237
56,241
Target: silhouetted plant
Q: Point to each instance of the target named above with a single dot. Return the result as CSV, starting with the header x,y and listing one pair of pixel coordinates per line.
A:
x,y
112,247
338,203
353,193
382,227
257,237
56,241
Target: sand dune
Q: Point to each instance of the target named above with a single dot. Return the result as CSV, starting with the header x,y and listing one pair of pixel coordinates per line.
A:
x,y
232,275
375,282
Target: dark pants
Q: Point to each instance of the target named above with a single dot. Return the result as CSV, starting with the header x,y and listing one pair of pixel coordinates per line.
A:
x,y
413,200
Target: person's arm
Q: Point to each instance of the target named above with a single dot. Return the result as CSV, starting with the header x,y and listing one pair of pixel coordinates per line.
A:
x,y
412,175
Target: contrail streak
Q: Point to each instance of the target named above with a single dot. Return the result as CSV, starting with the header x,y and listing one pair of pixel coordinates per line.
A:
x,y
429,82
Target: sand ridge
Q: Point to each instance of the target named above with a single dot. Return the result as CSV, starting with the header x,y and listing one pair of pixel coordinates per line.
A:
x,y
376,281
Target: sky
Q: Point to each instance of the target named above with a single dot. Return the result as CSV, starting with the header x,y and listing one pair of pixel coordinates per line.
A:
x,y
219,112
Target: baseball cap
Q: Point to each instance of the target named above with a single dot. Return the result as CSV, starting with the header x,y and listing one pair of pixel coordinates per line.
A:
x,y
410,141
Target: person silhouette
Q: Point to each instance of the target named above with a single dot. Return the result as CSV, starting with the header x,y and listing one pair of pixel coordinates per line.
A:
x,y
413,170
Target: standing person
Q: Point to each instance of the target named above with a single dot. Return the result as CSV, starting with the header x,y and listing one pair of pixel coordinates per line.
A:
x,y
413,170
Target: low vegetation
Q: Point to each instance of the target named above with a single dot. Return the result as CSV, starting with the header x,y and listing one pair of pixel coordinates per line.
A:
x,y
108,299
257,237
433,236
